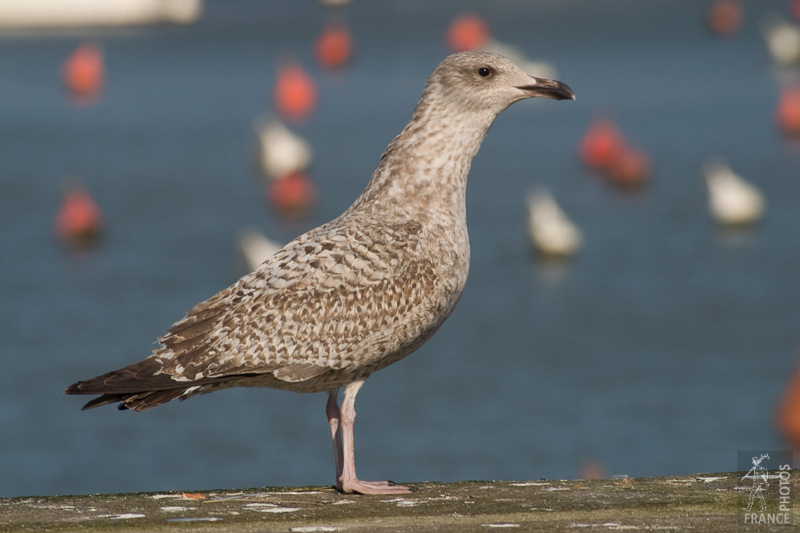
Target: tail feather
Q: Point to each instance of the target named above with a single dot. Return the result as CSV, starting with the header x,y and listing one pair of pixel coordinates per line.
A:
x,y
150,399
138,401
138,377
105,399
135,387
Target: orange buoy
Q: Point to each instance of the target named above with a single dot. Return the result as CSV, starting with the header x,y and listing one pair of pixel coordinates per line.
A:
x,y
787,113
295,95
725,17
592,469
293,194
601,144
334,46
83,72
79,221
788,410
794,8
467,32
629,168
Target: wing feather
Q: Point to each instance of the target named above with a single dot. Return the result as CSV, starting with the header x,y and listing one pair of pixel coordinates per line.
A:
x,y
314,303
326,302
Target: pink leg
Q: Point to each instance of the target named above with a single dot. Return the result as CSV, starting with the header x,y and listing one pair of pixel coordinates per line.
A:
x,y
334,417
348,480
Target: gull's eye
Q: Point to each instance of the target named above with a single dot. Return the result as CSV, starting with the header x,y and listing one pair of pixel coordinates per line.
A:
x,y
485,72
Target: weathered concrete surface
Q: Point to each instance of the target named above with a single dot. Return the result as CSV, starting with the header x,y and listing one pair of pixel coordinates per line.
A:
x,y
711,502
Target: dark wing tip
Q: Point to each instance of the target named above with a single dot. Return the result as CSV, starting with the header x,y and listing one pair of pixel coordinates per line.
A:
x,y
105,399
75,388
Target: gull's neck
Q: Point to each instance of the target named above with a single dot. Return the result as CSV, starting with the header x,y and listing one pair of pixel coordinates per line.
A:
x,y
423,172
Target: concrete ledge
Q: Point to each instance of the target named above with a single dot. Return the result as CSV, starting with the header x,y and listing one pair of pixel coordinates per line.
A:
x,y
707,502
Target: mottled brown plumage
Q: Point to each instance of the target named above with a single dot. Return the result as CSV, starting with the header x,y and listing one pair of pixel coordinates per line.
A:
x,y
353,295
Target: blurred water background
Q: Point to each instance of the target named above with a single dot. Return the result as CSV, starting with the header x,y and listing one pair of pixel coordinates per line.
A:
x,y
661,349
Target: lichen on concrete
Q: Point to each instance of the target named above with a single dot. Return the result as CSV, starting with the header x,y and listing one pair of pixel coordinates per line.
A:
x,y
708,502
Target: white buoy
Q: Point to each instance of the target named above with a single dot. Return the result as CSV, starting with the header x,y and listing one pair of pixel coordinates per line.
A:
x,y
551,231
33,14
256,247
732,201
280,152
782,37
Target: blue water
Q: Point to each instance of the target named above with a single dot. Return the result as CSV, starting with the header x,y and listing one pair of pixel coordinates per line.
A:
x,y
661,350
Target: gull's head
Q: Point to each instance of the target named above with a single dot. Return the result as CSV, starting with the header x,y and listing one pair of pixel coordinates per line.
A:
x,y
490,82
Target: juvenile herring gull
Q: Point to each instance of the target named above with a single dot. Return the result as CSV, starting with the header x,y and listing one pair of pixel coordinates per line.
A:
x,y
353,295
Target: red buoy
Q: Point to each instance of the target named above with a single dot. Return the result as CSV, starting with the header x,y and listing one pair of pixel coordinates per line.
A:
x,y
788,410
295,95
294,194
601,144
467,32
79,221
787,113
724,17
629,168
84,72
334,46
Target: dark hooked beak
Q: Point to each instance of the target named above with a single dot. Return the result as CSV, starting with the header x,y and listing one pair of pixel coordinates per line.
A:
x,y
547,89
